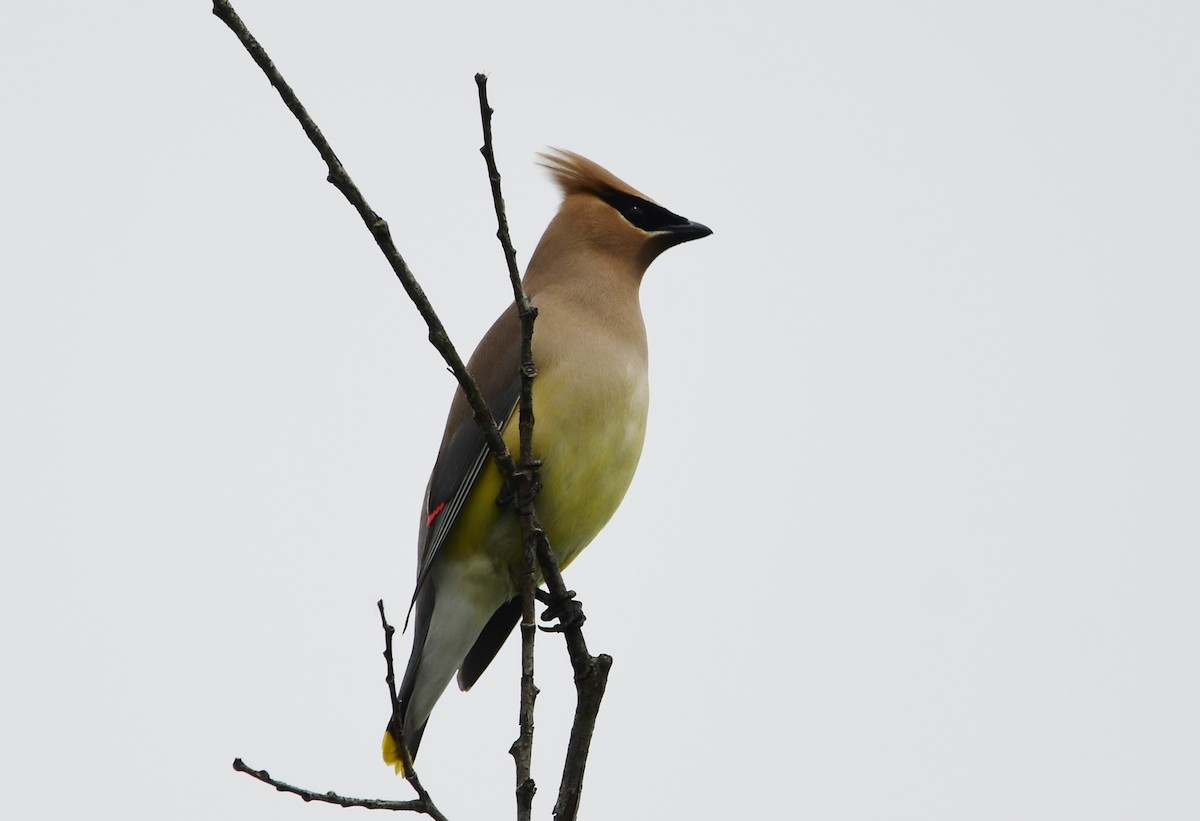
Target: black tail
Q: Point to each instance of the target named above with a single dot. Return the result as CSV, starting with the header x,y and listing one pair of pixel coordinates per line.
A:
x,y
490,640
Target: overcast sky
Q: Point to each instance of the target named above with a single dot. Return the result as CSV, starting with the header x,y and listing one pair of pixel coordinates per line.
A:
x,y
916,533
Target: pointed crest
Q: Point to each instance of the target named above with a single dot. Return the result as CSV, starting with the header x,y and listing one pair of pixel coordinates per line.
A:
x,y
579,175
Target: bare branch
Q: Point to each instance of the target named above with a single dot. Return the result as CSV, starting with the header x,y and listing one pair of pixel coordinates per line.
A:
x,y
502,233
591,679
331,797
379,230
397,724
524,480
422,804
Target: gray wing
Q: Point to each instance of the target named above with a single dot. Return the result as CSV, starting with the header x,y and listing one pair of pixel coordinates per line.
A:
x,y
495,366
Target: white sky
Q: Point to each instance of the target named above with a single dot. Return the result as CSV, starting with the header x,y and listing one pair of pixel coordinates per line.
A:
x,y
916,531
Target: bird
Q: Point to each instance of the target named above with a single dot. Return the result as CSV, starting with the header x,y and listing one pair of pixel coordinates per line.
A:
x,y
590,401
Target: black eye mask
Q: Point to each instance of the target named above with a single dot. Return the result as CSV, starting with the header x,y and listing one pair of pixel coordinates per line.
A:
x,y
643,214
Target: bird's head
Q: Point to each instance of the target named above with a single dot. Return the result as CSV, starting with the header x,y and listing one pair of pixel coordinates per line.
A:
x,y
602,214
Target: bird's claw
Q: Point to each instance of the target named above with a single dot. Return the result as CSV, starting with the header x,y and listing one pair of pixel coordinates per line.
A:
x,y
566,608
522,498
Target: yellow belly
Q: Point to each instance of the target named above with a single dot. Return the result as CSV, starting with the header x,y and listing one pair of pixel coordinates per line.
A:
x,y
589,457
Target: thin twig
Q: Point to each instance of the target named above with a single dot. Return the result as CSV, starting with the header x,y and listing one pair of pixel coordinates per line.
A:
x,y
380,231
522,748
591,672
423,803
437,335
525,310
397,723
331,797
591,679
502,233
524,480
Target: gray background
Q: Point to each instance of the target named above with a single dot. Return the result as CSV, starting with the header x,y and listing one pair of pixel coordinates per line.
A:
x,y
915,532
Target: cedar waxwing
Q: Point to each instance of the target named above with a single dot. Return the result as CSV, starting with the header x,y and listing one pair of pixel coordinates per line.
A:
x,y
590,402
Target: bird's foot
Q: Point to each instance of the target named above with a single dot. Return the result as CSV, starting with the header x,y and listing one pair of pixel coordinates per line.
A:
x,y
528,484
566,608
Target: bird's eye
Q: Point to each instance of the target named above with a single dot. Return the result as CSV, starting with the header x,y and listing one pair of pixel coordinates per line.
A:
x,y
642,214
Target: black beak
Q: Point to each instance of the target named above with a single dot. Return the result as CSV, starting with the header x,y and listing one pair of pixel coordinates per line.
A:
x,y
686,232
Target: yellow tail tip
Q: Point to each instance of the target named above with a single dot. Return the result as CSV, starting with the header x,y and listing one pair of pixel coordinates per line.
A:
x,y
392,755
